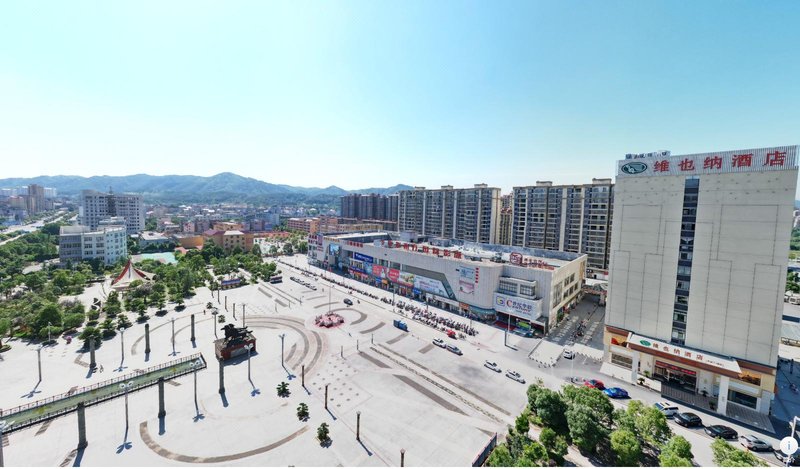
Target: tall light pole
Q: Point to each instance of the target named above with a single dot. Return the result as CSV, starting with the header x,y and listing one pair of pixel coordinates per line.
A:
x,y
39,360
282,336
48,332
121,347
214,322
195,366
393,298
248,347
173,338
126,387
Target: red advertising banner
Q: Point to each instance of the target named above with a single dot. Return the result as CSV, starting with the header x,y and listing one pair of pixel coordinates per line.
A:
x,y
394,274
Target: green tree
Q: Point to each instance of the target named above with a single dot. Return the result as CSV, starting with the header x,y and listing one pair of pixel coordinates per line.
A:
x,y
626,447
677,452
551,409
522,424
283,389
287,249
584,429
598,403
5,328
534,454
256,251
273,250
500,457
90,333
555,444
726,455
50,314
302,411
323,433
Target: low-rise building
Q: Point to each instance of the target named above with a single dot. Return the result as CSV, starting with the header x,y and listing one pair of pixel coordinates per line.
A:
x,y
524,288
107,242
151,238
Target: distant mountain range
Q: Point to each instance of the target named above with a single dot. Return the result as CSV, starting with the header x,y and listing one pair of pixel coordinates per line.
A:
x,y
218,188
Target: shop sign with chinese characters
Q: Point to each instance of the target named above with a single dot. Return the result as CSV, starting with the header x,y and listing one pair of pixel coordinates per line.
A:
x,y
685,353
756,160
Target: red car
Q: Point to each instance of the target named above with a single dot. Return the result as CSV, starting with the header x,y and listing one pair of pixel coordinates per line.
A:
x,y
594,383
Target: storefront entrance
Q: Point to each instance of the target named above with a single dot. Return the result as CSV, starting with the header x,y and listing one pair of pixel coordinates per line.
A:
x,y
676,375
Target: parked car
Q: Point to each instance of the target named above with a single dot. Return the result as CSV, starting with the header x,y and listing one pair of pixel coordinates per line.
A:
x,y
439,343
515,376
666,408
594,383
688,419
454,349
348,302
492,366
723,431
616,393
792,460
569,354
754,443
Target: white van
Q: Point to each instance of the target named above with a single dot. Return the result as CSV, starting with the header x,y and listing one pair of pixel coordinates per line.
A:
x,y
666,408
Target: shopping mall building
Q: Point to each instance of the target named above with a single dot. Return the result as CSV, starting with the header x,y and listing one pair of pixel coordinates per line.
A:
x,y
524,288
699,253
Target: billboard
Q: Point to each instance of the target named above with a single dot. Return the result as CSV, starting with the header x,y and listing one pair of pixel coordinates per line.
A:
x,y
517,306
363,258
405,278
466,280
430,285
333,249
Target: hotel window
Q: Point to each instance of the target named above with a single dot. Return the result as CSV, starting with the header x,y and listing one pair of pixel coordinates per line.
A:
x,y
681,300
683,270
686,256
682,285
679,316
678,335
621,360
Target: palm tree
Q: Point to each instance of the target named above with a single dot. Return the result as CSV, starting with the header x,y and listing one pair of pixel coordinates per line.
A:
x,y
302,411
283,389
209,305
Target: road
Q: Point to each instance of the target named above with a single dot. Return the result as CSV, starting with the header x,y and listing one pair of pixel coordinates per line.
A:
x,y
31,227
489,345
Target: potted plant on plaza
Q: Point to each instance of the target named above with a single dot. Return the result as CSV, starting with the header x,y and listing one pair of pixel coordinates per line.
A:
x,y
302,412
283,389
323,434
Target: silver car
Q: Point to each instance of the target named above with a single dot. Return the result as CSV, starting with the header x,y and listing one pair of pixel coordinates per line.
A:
x,y
515,376
492,366
754,443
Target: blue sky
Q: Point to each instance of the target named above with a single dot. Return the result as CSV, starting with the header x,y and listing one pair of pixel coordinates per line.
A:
x,y
374,93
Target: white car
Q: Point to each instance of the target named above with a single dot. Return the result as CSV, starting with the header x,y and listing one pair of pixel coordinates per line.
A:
x,y
515,376
569,354
439,343
666,408
492,366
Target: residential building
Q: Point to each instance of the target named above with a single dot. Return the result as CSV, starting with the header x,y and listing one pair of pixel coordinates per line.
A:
x,y
525,289
698,271
107,242
96,206
506,212
35,199
227,226
228,240
366,206
572,218
468,214
151,238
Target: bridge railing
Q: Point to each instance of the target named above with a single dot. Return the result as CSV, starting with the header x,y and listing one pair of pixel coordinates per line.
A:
x,y
92,397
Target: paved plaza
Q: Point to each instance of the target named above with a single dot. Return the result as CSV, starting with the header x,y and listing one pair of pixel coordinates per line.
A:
x,y
441,408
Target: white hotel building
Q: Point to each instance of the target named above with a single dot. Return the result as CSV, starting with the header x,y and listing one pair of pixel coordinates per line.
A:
x,y
699,254
521,287
109,242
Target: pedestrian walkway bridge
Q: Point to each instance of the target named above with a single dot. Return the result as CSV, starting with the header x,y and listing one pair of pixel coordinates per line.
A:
x,y
52,407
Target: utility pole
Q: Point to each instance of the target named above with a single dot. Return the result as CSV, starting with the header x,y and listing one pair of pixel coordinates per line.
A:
x,y
282,336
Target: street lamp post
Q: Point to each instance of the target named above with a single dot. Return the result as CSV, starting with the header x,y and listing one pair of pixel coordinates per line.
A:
x,y
126,387
282,336
248,347
122,347
39,360
402,457
173,338
48,332
358,425
214,323
196,366
393,288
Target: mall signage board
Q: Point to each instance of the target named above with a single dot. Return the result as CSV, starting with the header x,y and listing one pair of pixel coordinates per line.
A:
x,y
517,306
